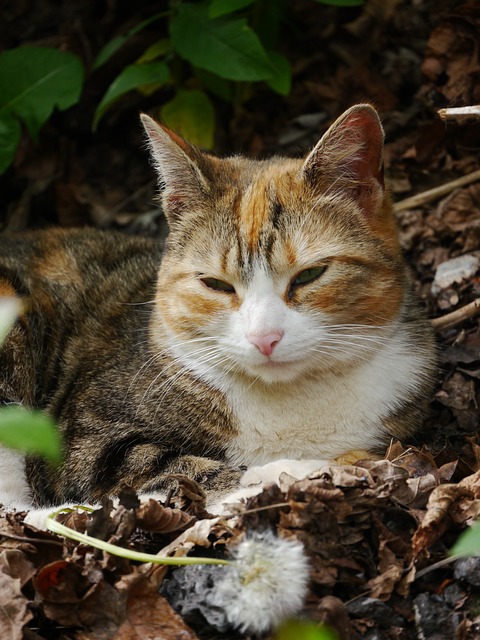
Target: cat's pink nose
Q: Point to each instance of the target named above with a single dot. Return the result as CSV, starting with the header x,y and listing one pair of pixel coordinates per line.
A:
x,y
265,343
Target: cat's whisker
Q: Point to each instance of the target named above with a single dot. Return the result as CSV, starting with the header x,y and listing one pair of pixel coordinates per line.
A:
x,y
368,346
138,304
210,355
331,352
157,356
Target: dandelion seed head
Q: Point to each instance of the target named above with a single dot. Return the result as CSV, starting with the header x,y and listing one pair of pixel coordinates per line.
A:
x,y
266,583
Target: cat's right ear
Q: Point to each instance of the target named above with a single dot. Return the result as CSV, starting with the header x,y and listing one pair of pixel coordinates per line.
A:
x,y
349,158
178,164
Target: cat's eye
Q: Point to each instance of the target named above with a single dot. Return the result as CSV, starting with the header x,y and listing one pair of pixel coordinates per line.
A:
x,y
308,275
218,285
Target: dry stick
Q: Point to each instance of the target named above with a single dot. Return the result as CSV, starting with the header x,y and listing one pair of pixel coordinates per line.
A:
x,y
438,192
460,113
456,317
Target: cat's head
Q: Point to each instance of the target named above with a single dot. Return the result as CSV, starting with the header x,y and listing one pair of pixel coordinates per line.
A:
x,y
279,267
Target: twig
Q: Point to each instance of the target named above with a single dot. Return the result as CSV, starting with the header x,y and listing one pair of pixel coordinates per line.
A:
x,y
432,194
439,565
12,536
460,113
456,317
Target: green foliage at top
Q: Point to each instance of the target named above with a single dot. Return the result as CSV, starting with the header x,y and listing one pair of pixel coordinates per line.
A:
x,y
218,41
342,3
225,46
212,47
33,81
222,7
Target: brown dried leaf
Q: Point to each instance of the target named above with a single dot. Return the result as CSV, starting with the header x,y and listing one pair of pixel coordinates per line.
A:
x,y
154,517
15,571
85,601
148,616
439,510
191,496
383,585
331,610
14,611
346,476
15,564
198,534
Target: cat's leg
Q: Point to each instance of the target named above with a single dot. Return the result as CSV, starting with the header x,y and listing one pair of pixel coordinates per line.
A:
x,y
14,489
255,478
271,471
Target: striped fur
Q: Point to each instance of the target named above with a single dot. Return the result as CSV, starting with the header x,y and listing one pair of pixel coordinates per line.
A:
x,y
224,351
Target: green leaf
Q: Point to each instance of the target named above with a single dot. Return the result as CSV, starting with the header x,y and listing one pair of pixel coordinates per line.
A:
x,y
132,77
10,132
154,51
35,80
227,47
192,115
304,630
222,7
342,3
468,544
214,84
282,80
31,432
9,311
114,45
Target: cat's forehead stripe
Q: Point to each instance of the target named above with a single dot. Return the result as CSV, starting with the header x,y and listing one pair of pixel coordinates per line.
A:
x,y
259,212
254,213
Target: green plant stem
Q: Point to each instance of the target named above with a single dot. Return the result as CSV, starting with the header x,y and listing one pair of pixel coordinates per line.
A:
x,y
84,538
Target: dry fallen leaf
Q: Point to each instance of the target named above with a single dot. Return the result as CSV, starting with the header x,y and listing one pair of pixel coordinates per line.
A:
x,y
15,572
154,517
148,616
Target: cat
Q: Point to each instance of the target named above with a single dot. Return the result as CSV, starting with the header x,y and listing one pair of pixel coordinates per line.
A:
x,y
277,330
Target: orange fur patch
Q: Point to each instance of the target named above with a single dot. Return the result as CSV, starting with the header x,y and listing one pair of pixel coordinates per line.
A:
x,y
58,266
6,289
254,214
354,456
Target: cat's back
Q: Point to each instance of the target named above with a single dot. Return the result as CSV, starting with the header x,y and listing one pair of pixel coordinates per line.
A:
x,y
75,260
80,291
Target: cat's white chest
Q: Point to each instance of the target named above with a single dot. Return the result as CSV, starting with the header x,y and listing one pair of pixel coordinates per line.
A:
x,y
310,419
320,418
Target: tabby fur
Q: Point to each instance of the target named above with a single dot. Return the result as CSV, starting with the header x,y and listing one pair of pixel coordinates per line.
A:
x,y
276,330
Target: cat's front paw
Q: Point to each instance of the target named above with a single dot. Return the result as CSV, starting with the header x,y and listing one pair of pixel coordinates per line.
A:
x,y
271,472
38,518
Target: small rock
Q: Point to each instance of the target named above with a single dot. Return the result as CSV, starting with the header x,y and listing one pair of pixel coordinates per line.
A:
x,y
468,569
455,270
377,610
188,592
453,594
433,619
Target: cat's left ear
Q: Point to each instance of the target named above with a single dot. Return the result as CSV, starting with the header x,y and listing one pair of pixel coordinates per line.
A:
x,y
181,169
349,158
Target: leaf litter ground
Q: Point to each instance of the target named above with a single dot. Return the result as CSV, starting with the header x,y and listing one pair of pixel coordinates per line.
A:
x,y
372,532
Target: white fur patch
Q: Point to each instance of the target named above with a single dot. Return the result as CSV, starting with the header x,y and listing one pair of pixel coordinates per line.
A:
x,y
14,490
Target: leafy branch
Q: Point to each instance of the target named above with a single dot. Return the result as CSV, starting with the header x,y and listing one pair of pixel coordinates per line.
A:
x,y
212,48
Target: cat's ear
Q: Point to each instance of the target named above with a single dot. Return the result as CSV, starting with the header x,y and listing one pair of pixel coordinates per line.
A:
x,y
349,158
179,168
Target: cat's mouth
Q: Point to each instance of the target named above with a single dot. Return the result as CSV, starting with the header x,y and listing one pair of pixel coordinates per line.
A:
x,y
277,370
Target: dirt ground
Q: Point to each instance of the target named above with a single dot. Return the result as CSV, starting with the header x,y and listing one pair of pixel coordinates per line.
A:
x,y
370,532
